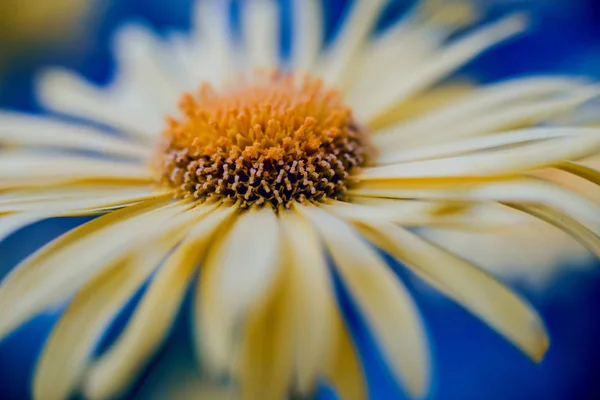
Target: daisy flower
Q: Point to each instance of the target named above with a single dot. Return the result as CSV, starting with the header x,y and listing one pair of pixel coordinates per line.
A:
x,y
272,177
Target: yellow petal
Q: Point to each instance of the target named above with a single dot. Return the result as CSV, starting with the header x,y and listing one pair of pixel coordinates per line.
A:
x,y
56,271
522,191
80,328
113,372
384,301
466,284
100,201
266,348
308,33
19,169
66,93
238,273
583,171
507,117
313,306
483,100
496,163
450,58
28,130
423,213
487,142
565,223
260,23
343,369
352,35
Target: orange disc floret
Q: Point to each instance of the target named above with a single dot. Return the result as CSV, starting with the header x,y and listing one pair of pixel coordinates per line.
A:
x,y
275,140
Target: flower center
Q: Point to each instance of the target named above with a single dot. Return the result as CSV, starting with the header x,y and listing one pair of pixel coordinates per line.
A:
x,y
276,140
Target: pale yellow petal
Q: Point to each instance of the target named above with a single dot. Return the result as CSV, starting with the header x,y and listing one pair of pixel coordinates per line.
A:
x,y
385,302
522,191
349,39
260,24
344,370
213,42
55,272
266,349
487,215
238,273
71,192
494,163
483,100
149,325
147,82
488,142
33,131
422,104
19,169
102,200
466,284
308,34
80,328
445,62
313,305
521,113
586,172
66,93
565,223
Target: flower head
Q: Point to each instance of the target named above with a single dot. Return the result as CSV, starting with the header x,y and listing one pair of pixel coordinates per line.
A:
x,y
269,170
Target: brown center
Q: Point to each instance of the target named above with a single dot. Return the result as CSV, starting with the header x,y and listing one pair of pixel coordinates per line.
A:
x,y
276,140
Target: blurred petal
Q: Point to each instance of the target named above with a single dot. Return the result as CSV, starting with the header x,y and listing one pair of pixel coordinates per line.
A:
x,y
261,34
152,319
238,274
385,302
313,306
466,284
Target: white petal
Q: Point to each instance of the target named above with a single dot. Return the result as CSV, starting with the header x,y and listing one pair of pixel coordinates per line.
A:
x,y
28,130
445,62
308,34
499,162
466,284
565,223
530,251
214,45
344,370
65,93
100,200
313,304
261,34
524,191
352,35
493,121
486,99
385,302
405,46
19,169
80,328
145,67
487,142
424,213
238,274
55,272
266,349
70,192
150,323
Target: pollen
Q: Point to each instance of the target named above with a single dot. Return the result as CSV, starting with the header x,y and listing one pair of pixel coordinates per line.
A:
x,y
273,140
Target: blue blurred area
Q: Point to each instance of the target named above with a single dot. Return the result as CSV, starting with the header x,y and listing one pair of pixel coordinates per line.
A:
x,y
471,361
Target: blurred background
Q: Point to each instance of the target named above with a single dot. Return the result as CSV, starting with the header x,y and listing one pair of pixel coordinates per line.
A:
x,y
471,362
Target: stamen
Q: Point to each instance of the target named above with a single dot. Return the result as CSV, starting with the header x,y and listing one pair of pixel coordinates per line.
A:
x,y
276,140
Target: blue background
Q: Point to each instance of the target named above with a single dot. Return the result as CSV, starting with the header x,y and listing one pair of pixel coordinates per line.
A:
x,y
471,361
